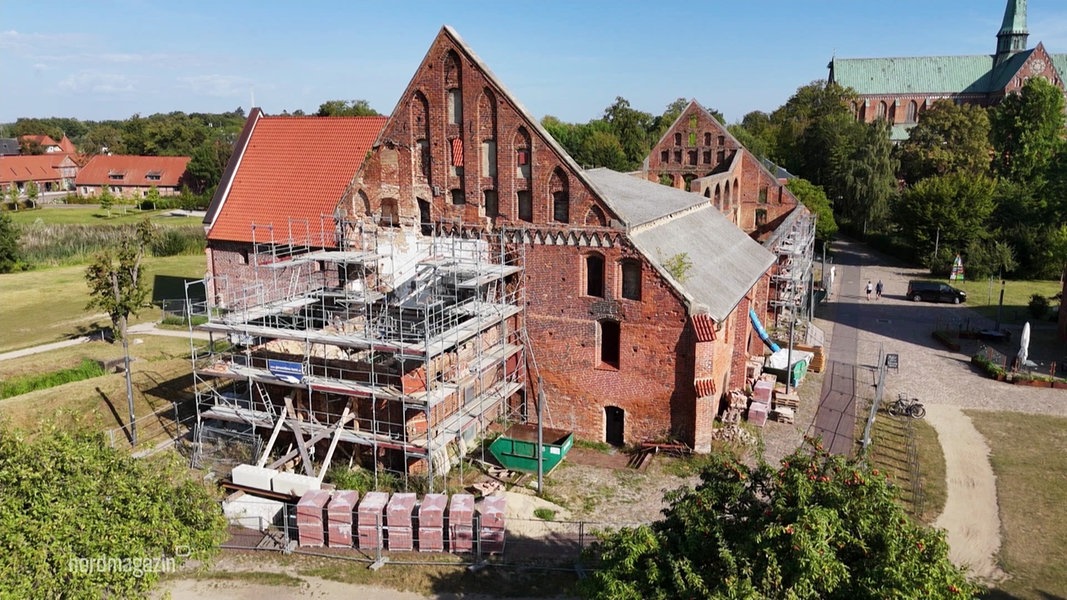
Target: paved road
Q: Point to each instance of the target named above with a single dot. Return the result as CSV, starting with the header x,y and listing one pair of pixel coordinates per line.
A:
x,y
134,330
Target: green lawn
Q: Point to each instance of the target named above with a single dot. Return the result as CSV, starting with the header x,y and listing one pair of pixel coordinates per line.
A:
x,y
1030,462
48,305
985,298
91,215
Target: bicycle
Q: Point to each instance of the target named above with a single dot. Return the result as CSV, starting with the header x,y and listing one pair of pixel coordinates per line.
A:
x,y
905,407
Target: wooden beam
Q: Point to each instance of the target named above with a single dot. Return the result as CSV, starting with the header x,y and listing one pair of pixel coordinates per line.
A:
x,y
298,433
337,428
273,438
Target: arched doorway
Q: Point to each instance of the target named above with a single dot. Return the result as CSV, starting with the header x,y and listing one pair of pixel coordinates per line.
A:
x,y
614,425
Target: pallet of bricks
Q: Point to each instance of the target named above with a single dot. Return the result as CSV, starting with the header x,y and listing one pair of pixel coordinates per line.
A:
x,y
400,535
491,524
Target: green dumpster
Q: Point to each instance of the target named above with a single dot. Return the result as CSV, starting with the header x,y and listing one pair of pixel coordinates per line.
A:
x,y
516,450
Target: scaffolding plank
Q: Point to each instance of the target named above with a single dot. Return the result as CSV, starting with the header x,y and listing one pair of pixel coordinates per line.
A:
x,y
488,275
273,438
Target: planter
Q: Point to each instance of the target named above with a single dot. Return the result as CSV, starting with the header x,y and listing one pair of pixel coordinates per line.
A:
x,y
1060,385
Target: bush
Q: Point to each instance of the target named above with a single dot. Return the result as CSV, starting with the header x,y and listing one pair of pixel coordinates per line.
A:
x,y
1039,306
172,241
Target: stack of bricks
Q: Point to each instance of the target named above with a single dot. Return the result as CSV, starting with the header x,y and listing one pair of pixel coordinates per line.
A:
x,y
461,523
369,520
491,524
760,406
309,521
398,518
432,523
339,518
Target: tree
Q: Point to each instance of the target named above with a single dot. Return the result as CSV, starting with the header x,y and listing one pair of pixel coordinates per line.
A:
x,y
820,527
9,244
346,108
816,119
208,162
116,287
83,520
1027,131
106,199
953,209
33,191
948,138
813,197
865,176
632,128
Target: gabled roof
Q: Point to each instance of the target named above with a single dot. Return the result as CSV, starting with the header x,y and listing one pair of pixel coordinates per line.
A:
x,y
67,146
9,146
914,75
665,222
36,167
104,169
534,125
44,140
286,174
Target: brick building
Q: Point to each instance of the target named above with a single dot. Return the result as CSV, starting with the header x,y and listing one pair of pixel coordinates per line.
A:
x,y
637,294
467,265
131,176
51,172
899,89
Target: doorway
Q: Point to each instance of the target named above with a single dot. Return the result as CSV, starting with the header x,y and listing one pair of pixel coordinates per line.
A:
x,y
614,425
424,217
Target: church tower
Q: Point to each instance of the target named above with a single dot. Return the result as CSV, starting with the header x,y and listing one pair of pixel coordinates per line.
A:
x,y
1012,35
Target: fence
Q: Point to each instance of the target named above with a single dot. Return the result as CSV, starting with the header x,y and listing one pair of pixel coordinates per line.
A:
x,y
272,526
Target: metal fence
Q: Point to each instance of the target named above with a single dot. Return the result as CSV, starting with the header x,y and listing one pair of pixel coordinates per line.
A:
x,y
527,542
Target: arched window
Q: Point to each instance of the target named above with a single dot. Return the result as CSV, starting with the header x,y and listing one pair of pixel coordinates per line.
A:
x,y
631,279
594,275
609,343
707,138
718,196
883,110
595,217
525,201
913,111
492,206
678,139
561,202
728,195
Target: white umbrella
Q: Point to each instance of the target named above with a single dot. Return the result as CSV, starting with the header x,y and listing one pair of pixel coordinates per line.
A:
x,y
1024,344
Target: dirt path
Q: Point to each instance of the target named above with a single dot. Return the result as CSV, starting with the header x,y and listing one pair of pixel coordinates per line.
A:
x,y
971,516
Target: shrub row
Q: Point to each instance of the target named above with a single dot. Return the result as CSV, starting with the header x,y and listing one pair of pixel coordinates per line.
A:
x,y
16,386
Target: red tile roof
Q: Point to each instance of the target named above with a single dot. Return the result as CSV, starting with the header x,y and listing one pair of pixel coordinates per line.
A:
x,y
67,146
38,167
167,170
44,140
291,175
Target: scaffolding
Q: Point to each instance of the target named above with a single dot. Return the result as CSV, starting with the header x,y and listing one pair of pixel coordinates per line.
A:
x,y
397,348
794,246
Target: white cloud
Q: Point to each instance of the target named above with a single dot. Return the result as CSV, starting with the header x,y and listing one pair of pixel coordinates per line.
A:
x,y
96,82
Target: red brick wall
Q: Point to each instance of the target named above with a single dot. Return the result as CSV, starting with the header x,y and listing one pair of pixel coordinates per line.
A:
x,y
712,141
235,280
653,383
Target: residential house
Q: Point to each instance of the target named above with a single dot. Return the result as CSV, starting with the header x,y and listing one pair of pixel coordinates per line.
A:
x,y
51,172
131,176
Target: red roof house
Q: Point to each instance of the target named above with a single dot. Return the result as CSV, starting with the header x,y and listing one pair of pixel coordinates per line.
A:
x,y
132,175
51,172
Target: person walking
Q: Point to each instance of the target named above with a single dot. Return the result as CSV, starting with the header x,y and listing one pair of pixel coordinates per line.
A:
x,y
869,289
878,290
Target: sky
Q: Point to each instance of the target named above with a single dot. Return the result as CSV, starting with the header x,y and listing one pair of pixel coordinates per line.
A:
x,y
111,59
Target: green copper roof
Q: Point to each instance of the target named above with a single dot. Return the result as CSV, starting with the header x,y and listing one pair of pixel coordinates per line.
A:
x,y
1014,18
914,75
1060,62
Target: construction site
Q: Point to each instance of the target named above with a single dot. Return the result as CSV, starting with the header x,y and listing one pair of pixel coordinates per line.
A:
x,y
361,343
792,289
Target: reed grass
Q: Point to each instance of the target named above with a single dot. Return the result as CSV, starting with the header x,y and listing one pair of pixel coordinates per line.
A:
x,y
62,245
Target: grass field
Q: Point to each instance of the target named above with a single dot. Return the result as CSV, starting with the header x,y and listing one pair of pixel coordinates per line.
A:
x,y
889,453
91,215
986,299
1028,457
161,375
48,305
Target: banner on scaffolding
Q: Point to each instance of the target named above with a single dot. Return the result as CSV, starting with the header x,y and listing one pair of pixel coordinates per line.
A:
x,y
286,370
957,269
